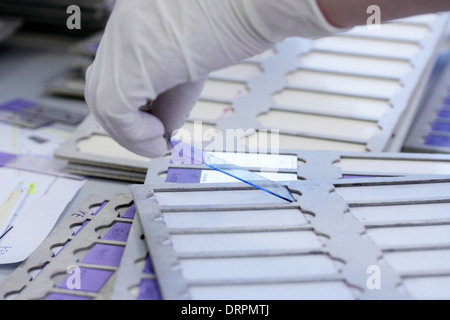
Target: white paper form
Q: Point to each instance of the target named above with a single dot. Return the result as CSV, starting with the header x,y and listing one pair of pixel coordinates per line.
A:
x,y
41,142
38,213
10,208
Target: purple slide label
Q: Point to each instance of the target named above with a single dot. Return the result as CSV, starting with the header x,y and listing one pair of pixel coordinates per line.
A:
x,y
148,268
119,232
61,248
437,141
149,290
91,280
104,255
81,228
184,175
6,158
17,105
441,127
131,213
447,102
444,114
100,209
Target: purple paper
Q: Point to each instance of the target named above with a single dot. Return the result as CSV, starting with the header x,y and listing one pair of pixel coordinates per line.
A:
x,y
91,280
441,127
17,105
437,141
149,290
39,272
184,175
119,232
6,158
100,209
104,255
61,249
62,296
148,268
444,114
130,214
81,228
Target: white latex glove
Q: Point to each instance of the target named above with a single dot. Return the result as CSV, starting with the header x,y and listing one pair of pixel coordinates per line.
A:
x,y
163,50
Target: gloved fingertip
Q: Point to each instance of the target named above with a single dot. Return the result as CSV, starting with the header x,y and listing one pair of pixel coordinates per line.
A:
x,y
154,148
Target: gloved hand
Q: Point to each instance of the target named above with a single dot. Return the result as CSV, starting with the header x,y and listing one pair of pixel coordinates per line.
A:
x,y
156,55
